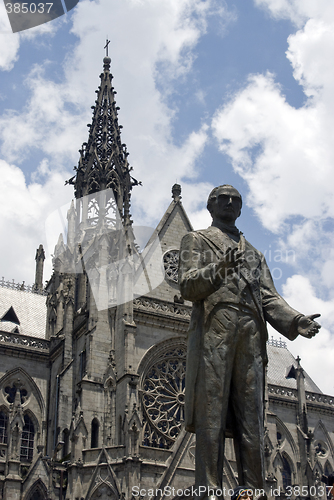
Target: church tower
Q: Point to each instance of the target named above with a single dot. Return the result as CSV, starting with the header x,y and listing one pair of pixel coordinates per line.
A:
x,y
114,315
89,291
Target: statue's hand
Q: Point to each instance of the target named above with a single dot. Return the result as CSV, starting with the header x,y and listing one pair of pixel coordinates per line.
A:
x,y
307,327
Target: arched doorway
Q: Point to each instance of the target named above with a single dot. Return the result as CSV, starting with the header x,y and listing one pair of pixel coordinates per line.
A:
x,y
37,492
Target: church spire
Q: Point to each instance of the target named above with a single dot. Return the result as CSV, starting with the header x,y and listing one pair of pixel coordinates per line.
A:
x,y
103,163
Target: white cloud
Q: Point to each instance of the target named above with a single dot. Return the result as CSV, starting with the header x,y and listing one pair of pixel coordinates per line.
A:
x,y
286,154
175,163
298,11
278,149
23,212
44,123
309,51
317,353
309,247
9,42
193,193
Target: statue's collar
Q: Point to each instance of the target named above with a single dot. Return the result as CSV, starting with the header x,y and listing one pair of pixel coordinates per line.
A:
x,y
226,228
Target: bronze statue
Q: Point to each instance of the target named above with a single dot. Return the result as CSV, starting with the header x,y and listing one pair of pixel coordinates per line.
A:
x,y
233,297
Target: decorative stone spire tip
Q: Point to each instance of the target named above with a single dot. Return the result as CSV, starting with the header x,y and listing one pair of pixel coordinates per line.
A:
x,y
176,192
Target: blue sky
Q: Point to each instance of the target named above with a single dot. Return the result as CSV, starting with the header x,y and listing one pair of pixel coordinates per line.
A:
x,y
210,92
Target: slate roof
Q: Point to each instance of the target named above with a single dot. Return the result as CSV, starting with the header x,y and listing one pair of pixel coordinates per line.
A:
x,y
280,361
30,309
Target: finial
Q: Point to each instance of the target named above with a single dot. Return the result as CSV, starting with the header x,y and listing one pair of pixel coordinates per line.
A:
x,y
40,254
40,258
176,192
106,59
298,359
106,46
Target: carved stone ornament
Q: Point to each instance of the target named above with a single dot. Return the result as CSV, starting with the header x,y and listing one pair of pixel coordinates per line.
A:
x,y
171,265
321,449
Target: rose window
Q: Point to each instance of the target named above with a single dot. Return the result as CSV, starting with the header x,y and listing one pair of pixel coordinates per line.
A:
x,y
171,265
163,397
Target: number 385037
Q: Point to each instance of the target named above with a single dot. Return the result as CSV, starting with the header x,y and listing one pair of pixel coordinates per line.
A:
x,y
25,8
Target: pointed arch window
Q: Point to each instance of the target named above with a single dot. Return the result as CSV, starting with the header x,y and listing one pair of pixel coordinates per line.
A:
x,y
95,433
37,495
66,440
3,427
286,473
328,469
27,440
279,437
83,361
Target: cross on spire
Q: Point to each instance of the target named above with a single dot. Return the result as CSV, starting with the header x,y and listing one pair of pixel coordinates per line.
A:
x,y
106,46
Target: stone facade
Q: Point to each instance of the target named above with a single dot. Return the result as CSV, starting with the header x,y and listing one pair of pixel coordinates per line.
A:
x,y
93,408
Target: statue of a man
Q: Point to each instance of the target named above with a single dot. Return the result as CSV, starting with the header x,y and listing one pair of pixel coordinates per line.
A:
x,y
233,297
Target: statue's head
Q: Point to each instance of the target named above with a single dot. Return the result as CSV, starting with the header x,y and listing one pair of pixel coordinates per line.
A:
x,y
224,203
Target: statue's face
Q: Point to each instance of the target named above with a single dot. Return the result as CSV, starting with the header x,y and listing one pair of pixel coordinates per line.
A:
x,y
227,205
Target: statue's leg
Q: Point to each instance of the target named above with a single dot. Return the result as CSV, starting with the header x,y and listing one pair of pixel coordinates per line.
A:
x,y
247,403
209,458
212,395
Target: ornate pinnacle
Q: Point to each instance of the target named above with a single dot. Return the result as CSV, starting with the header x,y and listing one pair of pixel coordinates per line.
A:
x,y
176,192
103,162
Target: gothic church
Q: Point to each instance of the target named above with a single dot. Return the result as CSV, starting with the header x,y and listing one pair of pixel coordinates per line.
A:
x,y
92,366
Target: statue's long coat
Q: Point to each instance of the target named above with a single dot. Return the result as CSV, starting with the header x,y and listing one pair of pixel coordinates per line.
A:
x,y
200,251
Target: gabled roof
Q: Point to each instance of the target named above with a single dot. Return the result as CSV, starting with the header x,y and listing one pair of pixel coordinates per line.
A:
x,y
175,207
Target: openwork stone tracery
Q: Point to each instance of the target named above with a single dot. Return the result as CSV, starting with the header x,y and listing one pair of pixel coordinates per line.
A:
x,y
162,391
171,265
